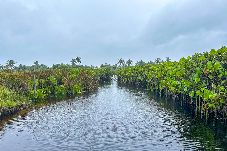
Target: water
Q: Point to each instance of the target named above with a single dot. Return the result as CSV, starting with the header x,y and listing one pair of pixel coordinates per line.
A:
x,y
114,118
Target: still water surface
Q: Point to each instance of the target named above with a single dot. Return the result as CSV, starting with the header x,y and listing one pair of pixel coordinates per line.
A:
x,y
114,118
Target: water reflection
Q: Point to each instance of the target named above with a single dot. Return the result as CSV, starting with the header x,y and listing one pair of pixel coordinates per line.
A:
x,y
114,118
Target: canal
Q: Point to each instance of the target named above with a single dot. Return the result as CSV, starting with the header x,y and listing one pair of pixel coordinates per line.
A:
x,y
113,118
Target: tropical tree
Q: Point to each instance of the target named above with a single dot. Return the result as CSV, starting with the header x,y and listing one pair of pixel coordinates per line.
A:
x,y
21,67
1,67
168,59
158,60
129,62
198,80
121,62
10,64
73,62
36,63
150,62
140,63
78,60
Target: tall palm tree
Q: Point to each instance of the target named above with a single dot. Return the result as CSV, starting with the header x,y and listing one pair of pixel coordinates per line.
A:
x,y
36,63
157,61
10,64
73,62
129,62
121,62
78,60
168,59
140,63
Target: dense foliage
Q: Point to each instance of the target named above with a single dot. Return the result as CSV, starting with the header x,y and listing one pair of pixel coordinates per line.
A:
x,y
198,80
24,87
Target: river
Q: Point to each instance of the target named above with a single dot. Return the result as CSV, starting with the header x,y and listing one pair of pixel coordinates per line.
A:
x,y
113,118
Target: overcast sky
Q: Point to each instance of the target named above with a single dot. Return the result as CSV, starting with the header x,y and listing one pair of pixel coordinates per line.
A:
x,y
99,31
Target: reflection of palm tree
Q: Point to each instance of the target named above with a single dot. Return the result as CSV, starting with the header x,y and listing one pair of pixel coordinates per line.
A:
x,y
129,62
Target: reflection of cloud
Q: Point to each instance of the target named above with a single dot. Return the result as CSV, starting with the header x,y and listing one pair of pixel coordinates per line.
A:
x,y
104,30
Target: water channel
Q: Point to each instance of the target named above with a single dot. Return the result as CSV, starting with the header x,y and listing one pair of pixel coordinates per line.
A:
x,y
113,118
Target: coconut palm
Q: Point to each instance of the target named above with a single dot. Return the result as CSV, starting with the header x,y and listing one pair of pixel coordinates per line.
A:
x,y
78,60
10,64
140,63
129,62
121,62
73,62
158,60
168,59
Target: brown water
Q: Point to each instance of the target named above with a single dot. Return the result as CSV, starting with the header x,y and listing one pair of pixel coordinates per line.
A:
x,y
112,119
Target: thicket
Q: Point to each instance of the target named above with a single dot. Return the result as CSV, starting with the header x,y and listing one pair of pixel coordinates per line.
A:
x,y
21,88
198,80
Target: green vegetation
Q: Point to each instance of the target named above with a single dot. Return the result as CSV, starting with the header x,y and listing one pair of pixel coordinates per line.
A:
x,y
199,81
21,87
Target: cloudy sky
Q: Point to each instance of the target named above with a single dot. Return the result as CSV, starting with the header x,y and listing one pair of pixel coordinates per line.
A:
x,y
99,31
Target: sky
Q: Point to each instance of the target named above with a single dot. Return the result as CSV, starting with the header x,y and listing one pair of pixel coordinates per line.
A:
x,y
103,31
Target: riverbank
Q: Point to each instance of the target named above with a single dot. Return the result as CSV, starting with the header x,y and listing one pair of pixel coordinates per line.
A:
x,y
198,80
22,89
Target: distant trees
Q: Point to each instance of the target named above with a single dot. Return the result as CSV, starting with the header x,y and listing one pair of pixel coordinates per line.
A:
x,y
121,62
10,64
168,59
36,63
158,60
140,63
129,62
78,60
75,61
21,67
105,65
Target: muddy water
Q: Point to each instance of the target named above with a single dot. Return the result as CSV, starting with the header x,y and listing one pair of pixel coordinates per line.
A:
x,y
112,119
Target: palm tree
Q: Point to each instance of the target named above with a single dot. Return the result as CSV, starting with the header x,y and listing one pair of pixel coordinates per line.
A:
x,y
129,62
151,62
21,67
36,63
10,64
121,62
73,62
78,60
157,61
140,63
168,59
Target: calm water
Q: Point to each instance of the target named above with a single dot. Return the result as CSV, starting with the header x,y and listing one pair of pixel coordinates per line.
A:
x,y
112,119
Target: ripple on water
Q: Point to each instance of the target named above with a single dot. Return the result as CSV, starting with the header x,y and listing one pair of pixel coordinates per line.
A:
x,y
112,119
